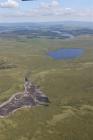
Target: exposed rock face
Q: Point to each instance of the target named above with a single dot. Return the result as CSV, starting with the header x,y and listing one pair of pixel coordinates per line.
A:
x,y
32,96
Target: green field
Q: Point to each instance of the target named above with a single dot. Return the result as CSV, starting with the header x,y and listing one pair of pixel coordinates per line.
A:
x,y
68,84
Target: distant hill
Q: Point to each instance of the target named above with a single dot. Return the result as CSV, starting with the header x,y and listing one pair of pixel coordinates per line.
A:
x,y
60,30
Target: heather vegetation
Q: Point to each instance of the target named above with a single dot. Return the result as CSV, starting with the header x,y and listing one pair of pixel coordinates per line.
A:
x,y
68,84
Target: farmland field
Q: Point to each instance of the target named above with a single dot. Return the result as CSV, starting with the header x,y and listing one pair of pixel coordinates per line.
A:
x,y
68,84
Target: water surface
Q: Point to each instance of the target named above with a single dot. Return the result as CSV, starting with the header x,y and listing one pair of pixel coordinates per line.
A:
x,y
66,53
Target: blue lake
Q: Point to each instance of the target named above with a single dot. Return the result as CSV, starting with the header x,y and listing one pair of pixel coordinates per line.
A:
x,y
66,53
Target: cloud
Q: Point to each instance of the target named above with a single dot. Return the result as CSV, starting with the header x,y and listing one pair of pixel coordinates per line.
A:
x,y
9,4
52,10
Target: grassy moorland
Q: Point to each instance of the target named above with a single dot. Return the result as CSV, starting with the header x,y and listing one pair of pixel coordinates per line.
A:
x,y
68,83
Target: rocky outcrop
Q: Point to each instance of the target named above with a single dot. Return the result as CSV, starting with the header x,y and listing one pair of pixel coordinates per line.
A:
x,y
32,96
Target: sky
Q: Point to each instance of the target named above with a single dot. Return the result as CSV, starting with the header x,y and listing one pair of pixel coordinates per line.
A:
x,y
45,10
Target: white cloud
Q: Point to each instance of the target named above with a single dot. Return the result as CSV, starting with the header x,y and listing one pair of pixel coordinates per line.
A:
x,y
9,4
52,10
55,3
